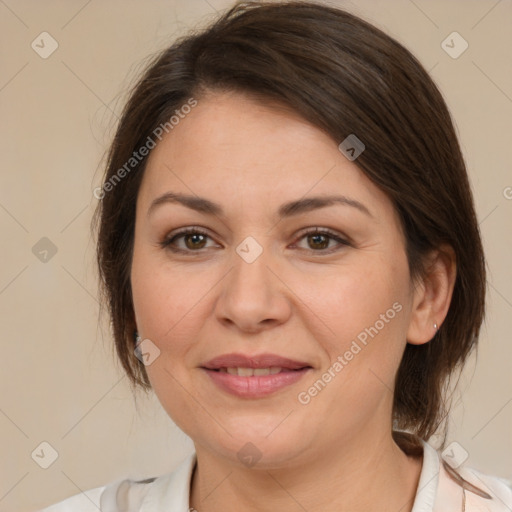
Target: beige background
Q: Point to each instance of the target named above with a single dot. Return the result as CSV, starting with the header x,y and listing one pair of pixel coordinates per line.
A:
x,y
59,381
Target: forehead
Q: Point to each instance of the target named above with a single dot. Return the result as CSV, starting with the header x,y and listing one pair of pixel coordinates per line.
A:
x,y
235,148
230,130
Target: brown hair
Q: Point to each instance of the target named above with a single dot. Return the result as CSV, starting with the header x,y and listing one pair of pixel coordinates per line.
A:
x,y
344,76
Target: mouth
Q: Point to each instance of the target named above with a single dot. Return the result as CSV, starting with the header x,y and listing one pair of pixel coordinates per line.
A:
x,y
254,376
250,372
261,363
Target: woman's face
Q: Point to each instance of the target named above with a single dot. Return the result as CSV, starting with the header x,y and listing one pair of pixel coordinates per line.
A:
x,y
257,280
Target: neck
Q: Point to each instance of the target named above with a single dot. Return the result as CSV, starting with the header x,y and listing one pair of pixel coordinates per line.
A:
x,y
359,476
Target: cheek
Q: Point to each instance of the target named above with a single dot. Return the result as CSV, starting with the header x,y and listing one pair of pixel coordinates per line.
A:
x,y
365,308
353,299
173,305
161,298
165,302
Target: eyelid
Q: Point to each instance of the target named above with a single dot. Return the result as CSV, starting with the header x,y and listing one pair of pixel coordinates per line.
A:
x,y
311,230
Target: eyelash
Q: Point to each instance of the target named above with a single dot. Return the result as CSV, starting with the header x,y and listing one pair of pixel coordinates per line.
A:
x,y
167,243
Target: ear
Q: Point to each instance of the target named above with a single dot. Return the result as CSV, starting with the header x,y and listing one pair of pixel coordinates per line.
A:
x,y
432,295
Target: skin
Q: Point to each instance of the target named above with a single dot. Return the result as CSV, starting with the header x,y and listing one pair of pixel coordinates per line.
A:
x,y
296,300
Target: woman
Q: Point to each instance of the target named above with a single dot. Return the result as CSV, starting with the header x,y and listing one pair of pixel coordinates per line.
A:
x,y
291,259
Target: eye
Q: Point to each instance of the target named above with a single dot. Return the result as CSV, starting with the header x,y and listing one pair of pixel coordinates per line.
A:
x,y
194,239
319,239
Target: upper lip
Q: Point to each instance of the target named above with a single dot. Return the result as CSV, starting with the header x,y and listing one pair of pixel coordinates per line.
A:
x,y
254,361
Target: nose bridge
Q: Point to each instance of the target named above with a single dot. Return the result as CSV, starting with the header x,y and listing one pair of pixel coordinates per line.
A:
x,y
251,293
250,273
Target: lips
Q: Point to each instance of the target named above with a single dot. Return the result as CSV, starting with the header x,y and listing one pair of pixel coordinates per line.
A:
x,y
256,376
256,361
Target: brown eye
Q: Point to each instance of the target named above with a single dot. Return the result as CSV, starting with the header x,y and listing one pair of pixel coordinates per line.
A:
x,y
194,240
318,241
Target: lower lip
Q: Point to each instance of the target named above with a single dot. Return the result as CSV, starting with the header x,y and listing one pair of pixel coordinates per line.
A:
x,y
256,386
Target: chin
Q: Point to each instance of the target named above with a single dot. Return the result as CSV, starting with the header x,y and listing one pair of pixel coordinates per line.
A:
x,y
255,448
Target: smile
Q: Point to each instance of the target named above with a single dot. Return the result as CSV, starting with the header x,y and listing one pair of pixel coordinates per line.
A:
x,y
254,382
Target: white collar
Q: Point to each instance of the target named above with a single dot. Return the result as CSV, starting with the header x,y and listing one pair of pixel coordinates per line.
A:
x,y
171,491
429,480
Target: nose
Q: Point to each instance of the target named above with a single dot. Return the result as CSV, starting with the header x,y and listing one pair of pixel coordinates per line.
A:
x,y
253,296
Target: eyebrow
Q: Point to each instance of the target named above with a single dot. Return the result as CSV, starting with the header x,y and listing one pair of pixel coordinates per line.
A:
x,y
203,205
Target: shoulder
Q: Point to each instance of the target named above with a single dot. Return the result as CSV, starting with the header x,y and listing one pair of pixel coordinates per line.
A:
x,y
498,489
480,491
122,495
169,491
445,486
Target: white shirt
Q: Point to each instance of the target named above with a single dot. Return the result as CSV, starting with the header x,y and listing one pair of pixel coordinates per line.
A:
x,y
436,492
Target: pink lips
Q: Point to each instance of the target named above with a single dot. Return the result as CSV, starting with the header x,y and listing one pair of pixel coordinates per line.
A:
x,y
256,361
256,386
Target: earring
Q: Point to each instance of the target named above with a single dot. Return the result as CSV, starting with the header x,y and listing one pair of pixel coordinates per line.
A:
x,y
436,328
136,337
